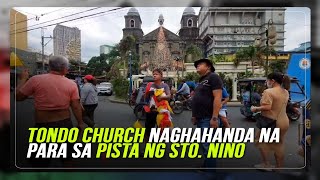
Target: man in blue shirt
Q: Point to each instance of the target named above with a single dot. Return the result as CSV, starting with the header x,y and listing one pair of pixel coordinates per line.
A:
x,y
184,90
223,110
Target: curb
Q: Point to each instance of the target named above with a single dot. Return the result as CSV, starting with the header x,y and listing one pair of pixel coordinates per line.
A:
x,y
113,100
229,104
234,105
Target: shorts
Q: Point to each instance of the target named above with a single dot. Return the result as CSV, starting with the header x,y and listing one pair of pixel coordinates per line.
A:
x,y
223,113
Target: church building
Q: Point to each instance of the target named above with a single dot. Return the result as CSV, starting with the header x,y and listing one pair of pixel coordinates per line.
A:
x,y
162,48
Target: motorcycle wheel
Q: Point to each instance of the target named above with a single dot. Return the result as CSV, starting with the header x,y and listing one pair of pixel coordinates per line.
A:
x,y
293,116
139,112
189,105
177,107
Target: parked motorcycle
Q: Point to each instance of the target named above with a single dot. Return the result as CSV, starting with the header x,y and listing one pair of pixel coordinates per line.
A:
x,y
292,110
139,111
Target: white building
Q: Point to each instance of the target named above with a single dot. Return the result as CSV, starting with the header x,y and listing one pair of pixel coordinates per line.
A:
x,y
105,49
225,30
67,42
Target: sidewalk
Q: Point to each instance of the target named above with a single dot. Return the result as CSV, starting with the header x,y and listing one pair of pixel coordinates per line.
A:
x,y
234,104
113,99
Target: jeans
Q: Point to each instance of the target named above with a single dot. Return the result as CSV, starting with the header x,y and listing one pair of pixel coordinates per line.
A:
x,y
208,162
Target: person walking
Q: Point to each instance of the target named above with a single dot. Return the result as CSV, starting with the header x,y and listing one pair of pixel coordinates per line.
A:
x,y
89,99
53,95
206,102
273,105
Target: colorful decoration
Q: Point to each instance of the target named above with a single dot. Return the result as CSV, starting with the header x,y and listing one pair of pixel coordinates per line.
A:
x,y
164,119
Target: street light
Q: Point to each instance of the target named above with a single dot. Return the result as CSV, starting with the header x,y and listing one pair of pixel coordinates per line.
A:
x,y
271,38
130,73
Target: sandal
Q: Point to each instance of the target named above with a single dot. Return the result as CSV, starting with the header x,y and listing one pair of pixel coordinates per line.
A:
x,y
264,167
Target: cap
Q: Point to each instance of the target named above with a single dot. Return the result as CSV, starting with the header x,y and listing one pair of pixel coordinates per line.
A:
x,y
88,77
204,60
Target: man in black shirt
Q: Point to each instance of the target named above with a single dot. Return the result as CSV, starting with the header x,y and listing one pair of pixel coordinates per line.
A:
x,y
206,102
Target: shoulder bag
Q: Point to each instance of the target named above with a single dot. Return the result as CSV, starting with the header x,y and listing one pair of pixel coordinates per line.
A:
x,y
265,122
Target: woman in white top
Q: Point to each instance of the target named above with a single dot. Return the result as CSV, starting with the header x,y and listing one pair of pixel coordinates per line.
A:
x,y
89,98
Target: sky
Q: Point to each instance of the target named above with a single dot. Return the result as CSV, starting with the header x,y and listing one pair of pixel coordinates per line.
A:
x,y
107,28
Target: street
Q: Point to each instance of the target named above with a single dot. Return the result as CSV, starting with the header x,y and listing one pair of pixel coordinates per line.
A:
x,y
110,114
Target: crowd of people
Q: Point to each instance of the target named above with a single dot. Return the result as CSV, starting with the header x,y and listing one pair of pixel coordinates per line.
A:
x,y
209,108
53,100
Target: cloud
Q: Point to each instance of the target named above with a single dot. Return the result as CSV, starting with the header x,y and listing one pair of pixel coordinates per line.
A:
x,y
298,29
107,28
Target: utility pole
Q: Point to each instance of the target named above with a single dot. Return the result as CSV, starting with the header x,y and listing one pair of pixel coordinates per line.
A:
x,y
43,45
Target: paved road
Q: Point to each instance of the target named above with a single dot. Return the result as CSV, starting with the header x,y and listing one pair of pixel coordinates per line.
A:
x,y
121,115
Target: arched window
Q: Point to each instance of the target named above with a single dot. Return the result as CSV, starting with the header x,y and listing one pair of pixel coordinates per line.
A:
x,y
132,23
189,22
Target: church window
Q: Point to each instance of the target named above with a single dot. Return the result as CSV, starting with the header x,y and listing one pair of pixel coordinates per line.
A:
x,y
189,22
132,23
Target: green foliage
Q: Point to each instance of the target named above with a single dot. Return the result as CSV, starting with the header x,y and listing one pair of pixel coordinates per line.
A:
x,y
247,54
278,66
246,74
129,44
120,87
192,76
255,55
126,44
98,64
195,52
111,56
219,58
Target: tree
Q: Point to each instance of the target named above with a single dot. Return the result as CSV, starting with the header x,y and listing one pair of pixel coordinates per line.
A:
x,y
255,55
247,54
120,87
129,44
195,52
98,64
219,58
112,56
278,66
263,53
